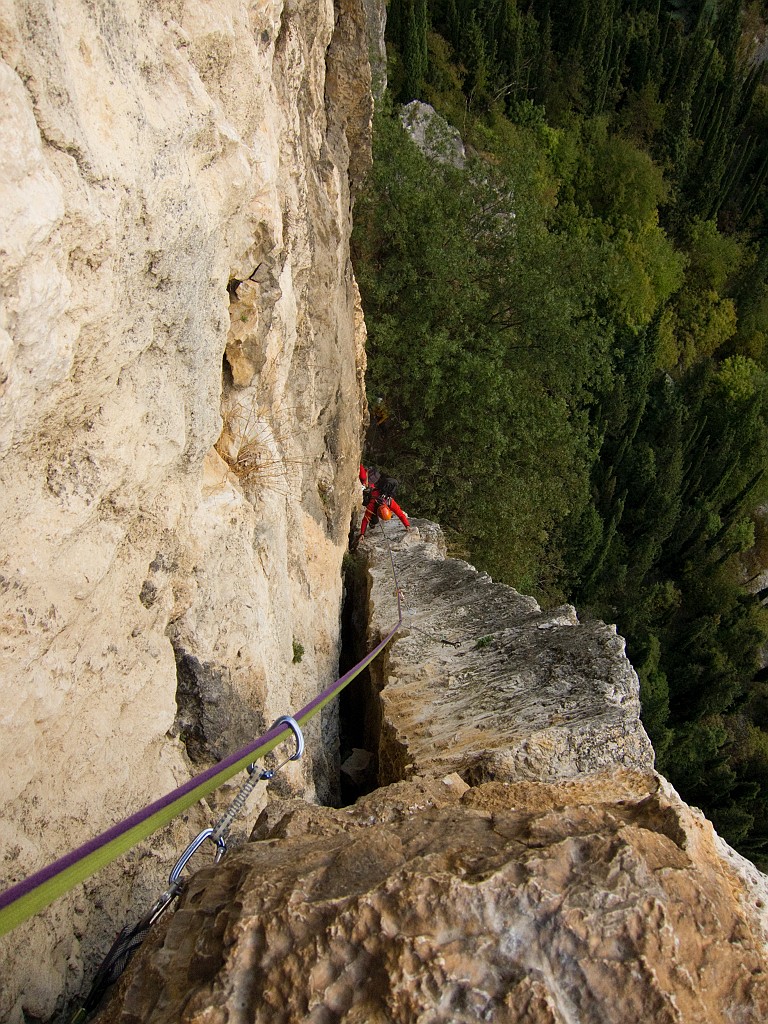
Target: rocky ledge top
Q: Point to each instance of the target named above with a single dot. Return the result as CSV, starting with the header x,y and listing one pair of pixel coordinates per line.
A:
x,y
479,680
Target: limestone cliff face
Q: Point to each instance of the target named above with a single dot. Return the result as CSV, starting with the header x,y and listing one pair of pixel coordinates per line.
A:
x,y
181,366
529,866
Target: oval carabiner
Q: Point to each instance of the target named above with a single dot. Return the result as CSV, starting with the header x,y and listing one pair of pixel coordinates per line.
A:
x,y
297,733
160,906
193,847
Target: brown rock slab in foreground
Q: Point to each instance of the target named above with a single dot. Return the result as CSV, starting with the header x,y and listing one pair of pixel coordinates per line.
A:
x,y
604,900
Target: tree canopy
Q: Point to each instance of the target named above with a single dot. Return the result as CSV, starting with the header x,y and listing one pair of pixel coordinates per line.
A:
x,y
568,337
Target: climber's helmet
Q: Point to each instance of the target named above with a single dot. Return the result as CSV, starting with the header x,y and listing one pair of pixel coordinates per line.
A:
x,y
385,512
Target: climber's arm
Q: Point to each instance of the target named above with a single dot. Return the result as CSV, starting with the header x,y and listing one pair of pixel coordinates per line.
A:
x,y
400,514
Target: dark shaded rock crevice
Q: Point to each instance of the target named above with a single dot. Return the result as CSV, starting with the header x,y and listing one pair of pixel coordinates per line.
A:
x,y
360,717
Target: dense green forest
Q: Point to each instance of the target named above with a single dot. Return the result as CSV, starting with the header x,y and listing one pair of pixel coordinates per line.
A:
x,y
568,337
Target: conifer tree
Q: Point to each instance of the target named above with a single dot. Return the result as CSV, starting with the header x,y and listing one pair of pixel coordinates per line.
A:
x,y
407,29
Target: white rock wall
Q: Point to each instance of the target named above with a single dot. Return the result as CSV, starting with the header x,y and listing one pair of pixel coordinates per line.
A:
x,y
151,154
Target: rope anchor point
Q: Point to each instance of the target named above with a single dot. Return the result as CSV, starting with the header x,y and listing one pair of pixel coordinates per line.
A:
x,y
129,939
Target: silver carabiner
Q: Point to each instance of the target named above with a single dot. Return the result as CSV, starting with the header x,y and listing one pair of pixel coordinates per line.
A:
x,y
164,901
219,832
192,849
297,733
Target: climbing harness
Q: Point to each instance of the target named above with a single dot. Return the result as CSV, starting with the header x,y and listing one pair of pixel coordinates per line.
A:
x,y
129,939
41,888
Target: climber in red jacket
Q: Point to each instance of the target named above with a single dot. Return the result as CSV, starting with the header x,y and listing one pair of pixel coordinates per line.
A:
x,y
378,500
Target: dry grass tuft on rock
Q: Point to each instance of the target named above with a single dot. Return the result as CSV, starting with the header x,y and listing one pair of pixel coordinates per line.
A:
x,y
253,449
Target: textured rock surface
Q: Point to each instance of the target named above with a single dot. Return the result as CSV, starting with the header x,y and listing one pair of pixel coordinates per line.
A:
x,y
376,20
602,900
434,136
591,895
479,680
175,181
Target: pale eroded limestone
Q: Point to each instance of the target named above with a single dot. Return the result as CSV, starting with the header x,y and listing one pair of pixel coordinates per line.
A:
x,y
480,680
151,155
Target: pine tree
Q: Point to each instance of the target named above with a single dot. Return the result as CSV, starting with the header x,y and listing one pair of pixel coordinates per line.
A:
x,y
413,22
